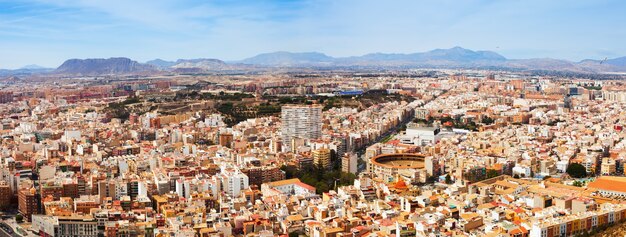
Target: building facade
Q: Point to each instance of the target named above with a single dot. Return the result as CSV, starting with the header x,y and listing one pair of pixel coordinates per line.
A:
x,y
300,121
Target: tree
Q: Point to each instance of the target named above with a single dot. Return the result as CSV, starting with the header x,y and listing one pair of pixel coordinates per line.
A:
x,y
334,160
487,120
576,170
448,179
492,173
294,234
19,218
577,183
432,179
516,176
290,171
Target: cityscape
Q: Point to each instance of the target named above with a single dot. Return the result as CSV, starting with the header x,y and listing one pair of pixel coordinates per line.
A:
x,y
431,141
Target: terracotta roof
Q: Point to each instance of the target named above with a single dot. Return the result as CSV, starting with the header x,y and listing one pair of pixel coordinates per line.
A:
x,y
400,184
610,183
306,186
283,182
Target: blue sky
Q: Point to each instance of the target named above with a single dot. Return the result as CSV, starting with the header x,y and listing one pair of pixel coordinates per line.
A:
x,y
46,32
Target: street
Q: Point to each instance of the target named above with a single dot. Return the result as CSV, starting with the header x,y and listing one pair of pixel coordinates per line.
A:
x,y
6,230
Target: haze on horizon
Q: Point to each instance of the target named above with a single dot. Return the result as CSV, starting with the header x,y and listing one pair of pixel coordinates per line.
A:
x,y
47,32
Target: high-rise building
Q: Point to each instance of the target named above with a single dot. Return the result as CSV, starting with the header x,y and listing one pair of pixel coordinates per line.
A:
x,y
300,121
321,157
6,97
28,203
349,163
233,182
431,165
5,195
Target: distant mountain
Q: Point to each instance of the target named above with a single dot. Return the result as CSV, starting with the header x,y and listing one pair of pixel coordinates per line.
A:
x,y
457,54
33,67
437,57
609,65
618,62
24,71
456,57
283,58
10,79
161,64
100,66
542,64
201,64
190,65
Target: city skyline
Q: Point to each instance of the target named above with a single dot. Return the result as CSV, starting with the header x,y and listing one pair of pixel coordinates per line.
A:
x,y
48,32
324,118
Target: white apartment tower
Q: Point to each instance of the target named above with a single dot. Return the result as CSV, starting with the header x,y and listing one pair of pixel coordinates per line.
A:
x,y
300,121
233,182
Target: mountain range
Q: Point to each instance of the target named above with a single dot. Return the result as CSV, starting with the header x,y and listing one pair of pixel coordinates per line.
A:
x,y
455,57
97,66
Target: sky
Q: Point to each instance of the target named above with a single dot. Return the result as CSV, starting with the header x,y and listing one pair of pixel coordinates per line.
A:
x,y
47,32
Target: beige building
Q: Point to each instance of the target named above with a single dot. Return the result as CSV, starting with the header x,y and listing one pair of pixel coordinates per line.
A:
x,y
608,166
321,157
349,163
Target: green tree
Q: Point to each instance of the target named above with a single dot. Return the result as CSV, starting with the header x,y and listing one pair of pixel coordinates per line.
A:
x,y
290,171
492,173
487,120
294,234
577,183
576,170
432,179
448,179
19,218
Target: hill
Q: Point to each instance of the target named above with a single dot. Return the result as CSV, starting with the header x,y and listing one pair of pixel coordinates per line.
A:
x,y
100,66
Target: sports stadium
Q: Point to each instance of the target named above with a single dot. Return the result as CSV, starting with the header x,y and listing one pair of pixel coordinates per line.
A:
x,y
388,166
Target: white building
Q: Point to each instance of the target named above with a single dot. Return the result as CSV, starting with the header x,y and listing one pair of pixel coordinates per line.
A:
x,y
69,135
421,135
233,182
522,171
66,226
287,187
214,120
300,121
561,166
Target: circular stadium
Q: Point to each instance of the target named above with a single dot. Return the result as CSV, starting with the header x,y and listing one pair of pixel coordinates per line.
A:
x,y
399,161
389,165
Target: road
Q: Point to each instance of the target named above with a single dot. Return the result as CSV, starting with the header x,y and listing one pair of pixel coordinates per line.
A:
x,y
360,152
391,131
6,230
